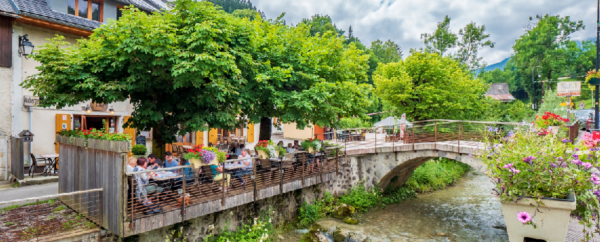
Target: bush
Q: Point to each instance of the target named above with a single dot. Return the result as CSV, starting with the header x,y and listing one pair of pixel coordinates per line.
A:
x,y
139,150
259,230
436,175
362,199
398,196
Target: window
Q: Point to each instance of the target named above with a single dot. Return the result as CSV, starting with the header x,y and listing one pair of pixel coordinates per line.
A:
x,y
119,11
90,9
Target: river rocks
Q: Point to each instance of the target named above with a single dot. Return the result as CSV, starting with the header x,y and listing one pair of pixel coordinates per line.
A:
x,y
341,232
344,211
350,220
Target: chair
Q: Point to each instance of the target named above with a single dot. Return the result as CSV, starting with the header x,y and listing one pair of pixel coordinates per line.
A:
x,y
287,161
266,170
219,139
208,177
242,140
232,157
181,150
174,149
229,140
35,162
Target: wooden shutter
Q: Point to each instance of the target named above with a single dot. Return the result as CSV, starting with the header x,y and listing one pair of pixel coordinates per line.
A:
x,y
250,132
63,122
6,42
200,137
212,136
130,131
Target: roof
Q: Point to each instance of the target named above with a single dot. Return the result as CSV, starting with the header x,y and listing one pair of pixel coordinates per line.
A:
x,y
7,7
41,10
500,91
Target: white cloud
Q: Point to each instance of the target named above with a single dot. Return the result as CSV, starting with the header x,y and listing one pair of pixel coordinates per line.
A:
x,y
403,21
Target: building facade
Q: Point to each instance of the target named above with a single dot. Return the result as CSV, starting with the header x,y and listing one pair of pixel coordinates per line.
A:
x,y
41,20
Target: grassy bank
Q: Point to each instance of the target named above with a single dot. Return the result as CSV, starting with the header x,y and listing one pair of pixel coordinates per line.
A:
x,y
436,174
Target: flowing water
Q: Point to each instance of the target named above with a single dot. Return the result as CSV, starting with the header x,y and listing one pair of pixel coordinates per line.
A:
x,y
466,211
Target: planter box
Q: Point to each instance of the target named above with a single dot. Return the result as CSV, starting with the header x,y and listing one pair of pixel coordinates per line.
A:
x,y
552,222
114,146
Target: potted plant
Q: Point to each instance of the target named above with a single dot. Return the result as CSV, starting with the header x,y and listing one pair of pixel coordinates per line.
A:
x,y
311,145
551,122
266,149
220,156
542,182
139,151
592,78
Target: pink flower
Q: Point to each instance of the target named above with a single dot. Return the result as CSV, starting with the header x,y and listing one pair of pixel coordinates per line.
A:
x,y
595,179
524,217
513,170
587,165
577,162
508,166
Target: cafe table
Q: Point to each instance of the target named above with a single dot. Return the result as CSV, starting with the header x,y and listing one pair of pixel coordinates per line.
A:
x,y
188,147
52,166
165,179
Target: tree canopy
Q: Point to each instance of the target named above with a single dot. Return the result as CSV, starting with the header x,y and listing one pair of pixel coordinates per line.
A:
x,y
429,86
195,67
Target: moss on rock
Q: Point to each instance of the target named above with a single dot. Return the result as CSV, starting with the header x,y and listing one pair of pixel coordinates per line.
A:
x,y
350,220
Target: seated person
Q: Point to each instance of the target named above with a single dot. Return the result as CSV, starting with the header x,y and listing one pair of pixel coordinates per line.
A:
x,y
154,163
238,150
297,145
290,149
187,172
169,161
144,187
131,163
217,171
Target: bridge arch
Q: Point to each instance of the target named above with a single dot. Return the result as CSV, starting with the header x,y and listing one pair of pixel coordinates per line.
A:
x,y
392,170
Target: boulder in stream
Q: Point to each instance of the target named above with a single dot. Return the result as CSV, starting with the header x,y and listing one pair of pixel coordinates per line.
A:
x,y
344,211
350,220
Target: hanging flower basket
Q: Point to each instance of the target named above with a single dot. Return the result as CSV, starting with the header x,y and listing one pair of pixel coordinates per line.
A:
x,y
593,78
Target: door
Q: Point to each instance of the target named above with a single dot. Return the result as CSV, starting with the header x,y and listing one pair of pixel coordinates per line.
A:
x,y
250,132
318,131
63,122
130,132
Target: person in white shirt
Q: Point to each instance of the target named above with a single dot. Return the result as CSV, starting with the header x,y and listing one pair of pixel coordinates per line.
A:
x,y
290,149
131,163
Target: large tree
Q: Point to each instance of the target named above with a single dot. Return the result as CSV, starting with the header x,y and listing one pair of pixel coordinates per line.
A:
x,y
429,86
178,68
303,78
472,38
441,40
320,24
541,50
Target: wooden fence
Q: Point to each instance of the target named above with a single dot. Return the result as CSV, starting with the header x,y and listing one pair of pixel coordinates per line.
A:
x,y
84,168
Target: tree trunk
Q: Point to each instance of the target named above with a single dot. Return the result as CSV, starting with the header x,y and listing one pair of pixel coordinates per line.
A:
x,y
265,129
158,143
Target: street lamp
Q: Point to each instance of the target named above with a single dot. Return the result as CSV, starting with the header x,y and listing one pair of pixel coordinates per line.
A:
x,y
25,47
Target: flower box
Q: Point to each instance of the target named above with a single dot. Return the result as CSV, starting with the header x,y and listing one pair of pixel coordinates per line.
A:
x,y
594,81
552,220
114,146
262,154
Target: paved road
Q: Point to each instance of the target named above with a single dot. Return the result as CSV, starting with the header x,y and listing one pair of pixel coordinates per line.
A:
x,y
28,192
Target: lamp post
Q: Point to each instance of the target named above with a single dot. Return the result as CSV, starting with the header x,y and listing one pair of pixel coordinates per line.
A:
x,y
25,47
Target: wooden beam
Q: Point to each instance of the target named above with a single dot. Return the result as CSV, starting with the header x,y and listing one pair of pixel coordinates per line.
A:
x,y
54,26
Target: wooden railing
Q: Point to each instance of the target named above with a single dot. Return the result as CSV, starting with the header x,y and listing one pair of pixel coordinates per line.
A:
x,y
177,194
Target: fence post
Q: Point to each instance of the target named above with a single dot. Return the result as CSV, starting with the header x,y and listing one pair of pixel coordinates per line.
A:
x,y
337,162
459,136
435,142
413,141
281,176
37,219
223,186
376,141
394,139
183,195
100,207
132,200
254,177
303,162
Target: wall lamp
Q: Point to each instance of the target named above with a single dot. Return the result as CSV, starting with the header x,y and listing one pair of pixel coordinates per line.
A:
x,y
25,47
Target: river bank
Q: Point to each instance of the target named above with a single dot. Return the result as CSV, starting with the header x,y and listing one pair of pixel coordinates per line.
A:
x,y
465,211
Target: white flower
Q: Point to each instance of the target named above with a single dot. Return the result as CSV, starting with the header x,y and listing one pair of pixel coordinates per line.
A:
x,y
269,220
272,151
317,145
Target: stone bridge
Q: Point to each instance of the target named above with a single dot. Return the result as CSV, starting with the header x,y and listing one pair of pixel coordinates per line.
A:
x,y
391,164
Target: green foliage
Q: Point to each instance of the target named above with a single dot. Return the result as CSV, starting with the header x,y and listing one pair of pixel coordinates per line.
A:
x,y
321,24
515,111
436,174
472,38
246,13
399,195
428,86
139,150
361,198
354,122
59,208
441,40
551,103
541,49
386,52
260,230
15,206
231,6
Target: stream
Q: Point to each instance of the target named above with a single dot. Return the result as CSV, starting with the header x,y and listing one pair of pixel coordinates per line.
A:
x,y
466,211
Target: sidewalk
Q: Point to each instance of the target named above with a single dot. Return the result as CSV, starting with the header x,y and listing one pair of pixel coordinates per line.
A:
x,y
8,194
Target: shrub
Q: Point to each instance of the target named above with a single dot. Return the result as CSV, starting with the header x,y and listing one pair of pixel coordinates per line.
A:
x,y
436,174
139,150
398,196
259,230
360,198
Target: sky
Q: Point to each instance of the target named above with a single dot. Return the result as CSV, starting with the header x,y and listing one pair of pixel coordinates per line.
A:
x,y
403,21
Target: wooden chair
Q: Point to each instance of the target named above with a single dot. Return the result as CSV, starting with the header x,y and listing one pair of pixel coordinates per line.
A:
x,y
207,177
266,170
229,141
243,140
174,149
181,150
219,139
287,161
35,162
